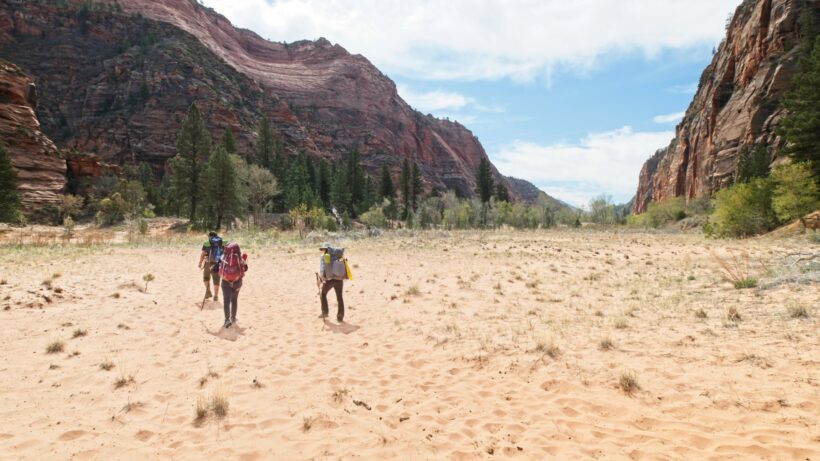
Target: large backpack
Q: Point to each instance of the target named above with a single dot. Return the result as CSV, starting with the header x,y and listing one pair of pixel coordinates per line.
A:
x,y
232,267
338,269
215,249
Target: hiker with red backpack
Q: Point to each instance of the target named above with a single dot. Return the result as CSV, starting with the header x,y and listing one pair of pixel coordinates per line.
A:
x,y
232,268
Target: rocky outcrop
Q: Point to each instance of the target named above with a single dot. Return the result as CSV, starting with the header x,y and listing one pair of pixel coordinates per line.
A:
x,y
737,104
39,164
116,79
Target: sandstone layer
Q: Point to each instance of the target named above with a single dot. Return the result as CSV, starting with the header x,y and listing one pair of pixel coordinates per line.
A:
x,y
39,164
736,107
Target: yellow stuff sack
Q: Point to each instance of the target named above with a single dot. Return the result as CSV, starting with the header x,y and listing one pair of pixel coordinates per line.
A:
x,y
347,270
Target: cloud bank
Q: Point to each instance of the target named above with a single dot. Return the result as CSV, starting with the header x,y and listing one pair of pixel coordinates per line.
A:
x,y
522,40
606,162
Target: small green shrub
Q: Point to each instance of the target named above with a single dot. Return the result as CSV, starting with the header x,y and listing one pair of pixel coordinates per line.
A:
x,y
749,282
743,210
795,191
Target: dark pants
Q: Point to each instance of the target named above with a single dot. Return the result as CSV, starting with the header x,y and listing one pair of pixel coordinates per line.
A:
x,y
230,298
337,285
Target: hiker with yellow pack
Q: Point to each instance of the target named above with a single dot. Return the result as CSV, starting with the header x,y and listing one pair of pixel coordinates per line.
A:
x,y
333,271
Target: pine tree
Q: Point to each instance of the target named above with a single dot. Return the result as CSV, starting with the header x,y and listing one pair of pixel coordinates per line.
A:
x,y
220,187
340,196
485,180
386,189
270,150
193,148
323,180
228,142
752,164
416,187
501,193
356,183
298,188
801,125
9,197
405,189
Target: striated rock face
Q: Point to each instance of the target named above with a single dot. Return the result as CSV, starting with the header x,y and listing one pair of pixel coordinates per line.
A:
x,y
39,164
117,80
736,106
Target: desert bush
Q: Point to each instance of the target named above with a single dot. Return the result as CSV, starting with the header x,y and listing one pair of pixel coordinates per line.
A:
x,y
743,210
795,191
375,217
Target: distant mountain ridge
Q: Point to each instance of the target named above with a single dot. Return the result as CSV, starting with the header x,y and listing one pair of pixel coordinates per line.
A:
x,y
115,80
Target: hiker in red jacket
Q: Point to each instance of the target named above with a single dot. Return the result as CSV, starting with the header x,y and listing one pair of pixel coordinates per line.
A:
x,y
232,268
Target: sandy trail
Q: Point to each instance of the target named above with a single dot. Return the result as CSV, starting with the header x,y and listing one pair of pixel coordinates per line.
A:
x,y
470,346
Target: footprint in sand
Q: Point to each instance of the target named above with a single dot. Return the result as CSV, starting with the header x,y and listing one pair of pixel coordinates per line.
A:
x,y
143,436
71,435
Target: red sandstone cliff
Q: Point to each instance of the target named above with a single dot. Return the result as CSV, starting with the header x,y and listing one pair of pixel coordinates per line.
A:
x,y
40,166
736,105
117,81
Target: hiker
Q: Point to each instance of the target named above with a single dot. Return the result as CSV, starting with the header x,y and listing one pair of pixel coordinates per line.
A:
x,y
332,272
232,268
209,263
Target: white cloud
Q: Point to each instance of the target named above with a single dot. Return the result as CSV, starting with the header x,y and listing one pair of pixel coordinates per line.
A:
x,y
669,118
606,162
490,39
447,104
434,101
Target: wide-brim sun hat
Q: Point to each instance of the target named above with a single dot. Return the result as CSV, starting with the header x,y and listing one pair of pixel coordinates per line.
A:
x,y
324,246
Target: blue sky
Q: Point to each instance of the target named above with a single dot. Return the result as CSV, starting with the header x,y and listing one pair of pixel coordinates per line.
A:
x,y
570,95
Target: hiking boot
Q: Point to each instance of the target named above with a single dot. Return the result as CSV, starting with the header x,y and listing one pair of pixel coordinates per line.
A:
x,y
208,294
322,316
216,298
233,320
339,319
227,323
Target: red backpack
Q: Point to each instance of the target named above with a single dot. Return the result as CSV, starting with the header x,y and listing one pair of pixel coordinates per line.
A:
x,y
233,267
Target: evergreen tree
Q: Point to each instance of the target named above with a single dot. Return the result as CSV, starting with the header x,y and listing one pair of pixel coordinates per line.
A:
x,y
485,180
752,164
340,196
145,176
193,147
416,187
801,125
386,189
405,189
356,183
501,193
323,180
220,187
9,197
270,151
298,188
228,142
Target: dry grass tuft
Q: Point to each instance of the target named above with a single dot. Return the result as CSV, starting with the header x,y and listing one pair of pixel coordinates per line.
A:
x,y
628,382
107,365
733,314
55,347
548,349
340,394
796,311
78,333
124,380
621,324
606,344
701,314
201,410
736,269
413,291
307,423
219,404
